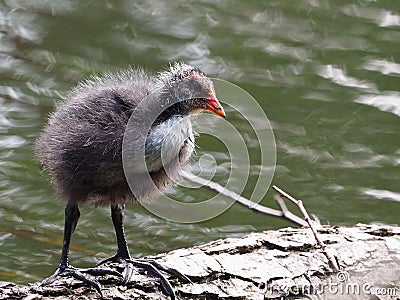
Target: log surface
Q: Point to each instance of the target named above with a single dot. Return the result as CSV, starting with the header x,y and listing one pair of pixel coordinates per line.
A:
x,y
285,263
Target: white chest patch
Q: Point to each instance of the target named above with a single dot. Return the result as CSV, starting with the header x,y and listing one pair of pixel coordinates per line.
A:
x,y
166,140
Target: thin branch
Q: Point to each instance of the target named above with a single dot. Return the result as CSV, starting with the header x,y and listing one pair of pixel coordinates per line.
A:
x,y
284,212
332,262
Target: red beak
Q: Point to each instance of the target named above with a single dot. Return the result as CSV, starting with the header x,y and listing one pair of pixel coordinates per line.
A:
x,y
215,107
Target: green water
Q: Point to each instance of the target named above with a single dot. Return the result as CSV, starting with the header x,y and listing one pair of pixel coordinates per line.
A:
x,y
325,72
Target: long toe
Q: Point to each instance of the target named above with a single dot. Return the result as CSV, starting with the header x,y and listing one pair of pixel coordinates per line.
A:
x,y
80,274
90,281
128,272
113,259
168,270
153,270
101,272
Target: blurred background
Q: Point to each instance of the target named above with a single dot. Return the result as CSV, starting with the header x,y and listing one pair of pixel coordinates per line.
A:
x,y
325,72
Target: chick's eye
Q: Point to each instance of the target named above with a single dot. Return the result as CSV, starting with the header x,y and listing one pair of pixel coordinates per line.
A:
x,y
201,103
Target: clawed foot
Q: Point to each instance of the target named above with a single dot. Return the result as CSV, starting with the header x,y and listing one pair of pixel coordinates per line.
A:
x,y
153,268
69,271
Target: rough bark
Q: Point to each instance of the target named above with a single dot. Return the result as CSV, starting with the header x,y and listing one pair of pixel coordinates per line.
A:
x,y
282,264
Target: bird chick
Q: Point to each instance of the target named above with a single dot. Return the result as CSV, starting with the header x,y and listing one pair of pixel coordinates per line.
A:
x,y
82,146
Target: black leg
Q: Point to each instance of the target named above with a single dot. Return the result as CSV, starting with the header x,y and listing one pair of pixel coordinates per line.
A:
x,y
71,220
117,215
151,266
64,269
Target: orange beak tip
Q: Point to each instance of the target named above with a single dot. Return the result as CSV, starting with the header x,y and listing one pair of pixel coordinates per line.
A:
x,y
215,107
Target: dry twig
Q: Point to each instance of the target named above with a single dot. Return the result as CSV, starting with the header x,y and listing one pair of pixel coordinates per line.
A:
x,y
299,204
283,213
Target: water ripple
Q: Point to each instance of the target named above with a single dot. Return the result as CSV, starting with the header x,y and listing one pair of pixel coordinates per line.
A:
x,y
383,66
12,141
339,76
388,101
379,16
381,194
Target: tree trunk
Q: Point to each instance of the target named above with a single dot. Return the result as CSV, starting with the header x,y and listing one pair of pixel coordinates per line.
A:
x,y
281,264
